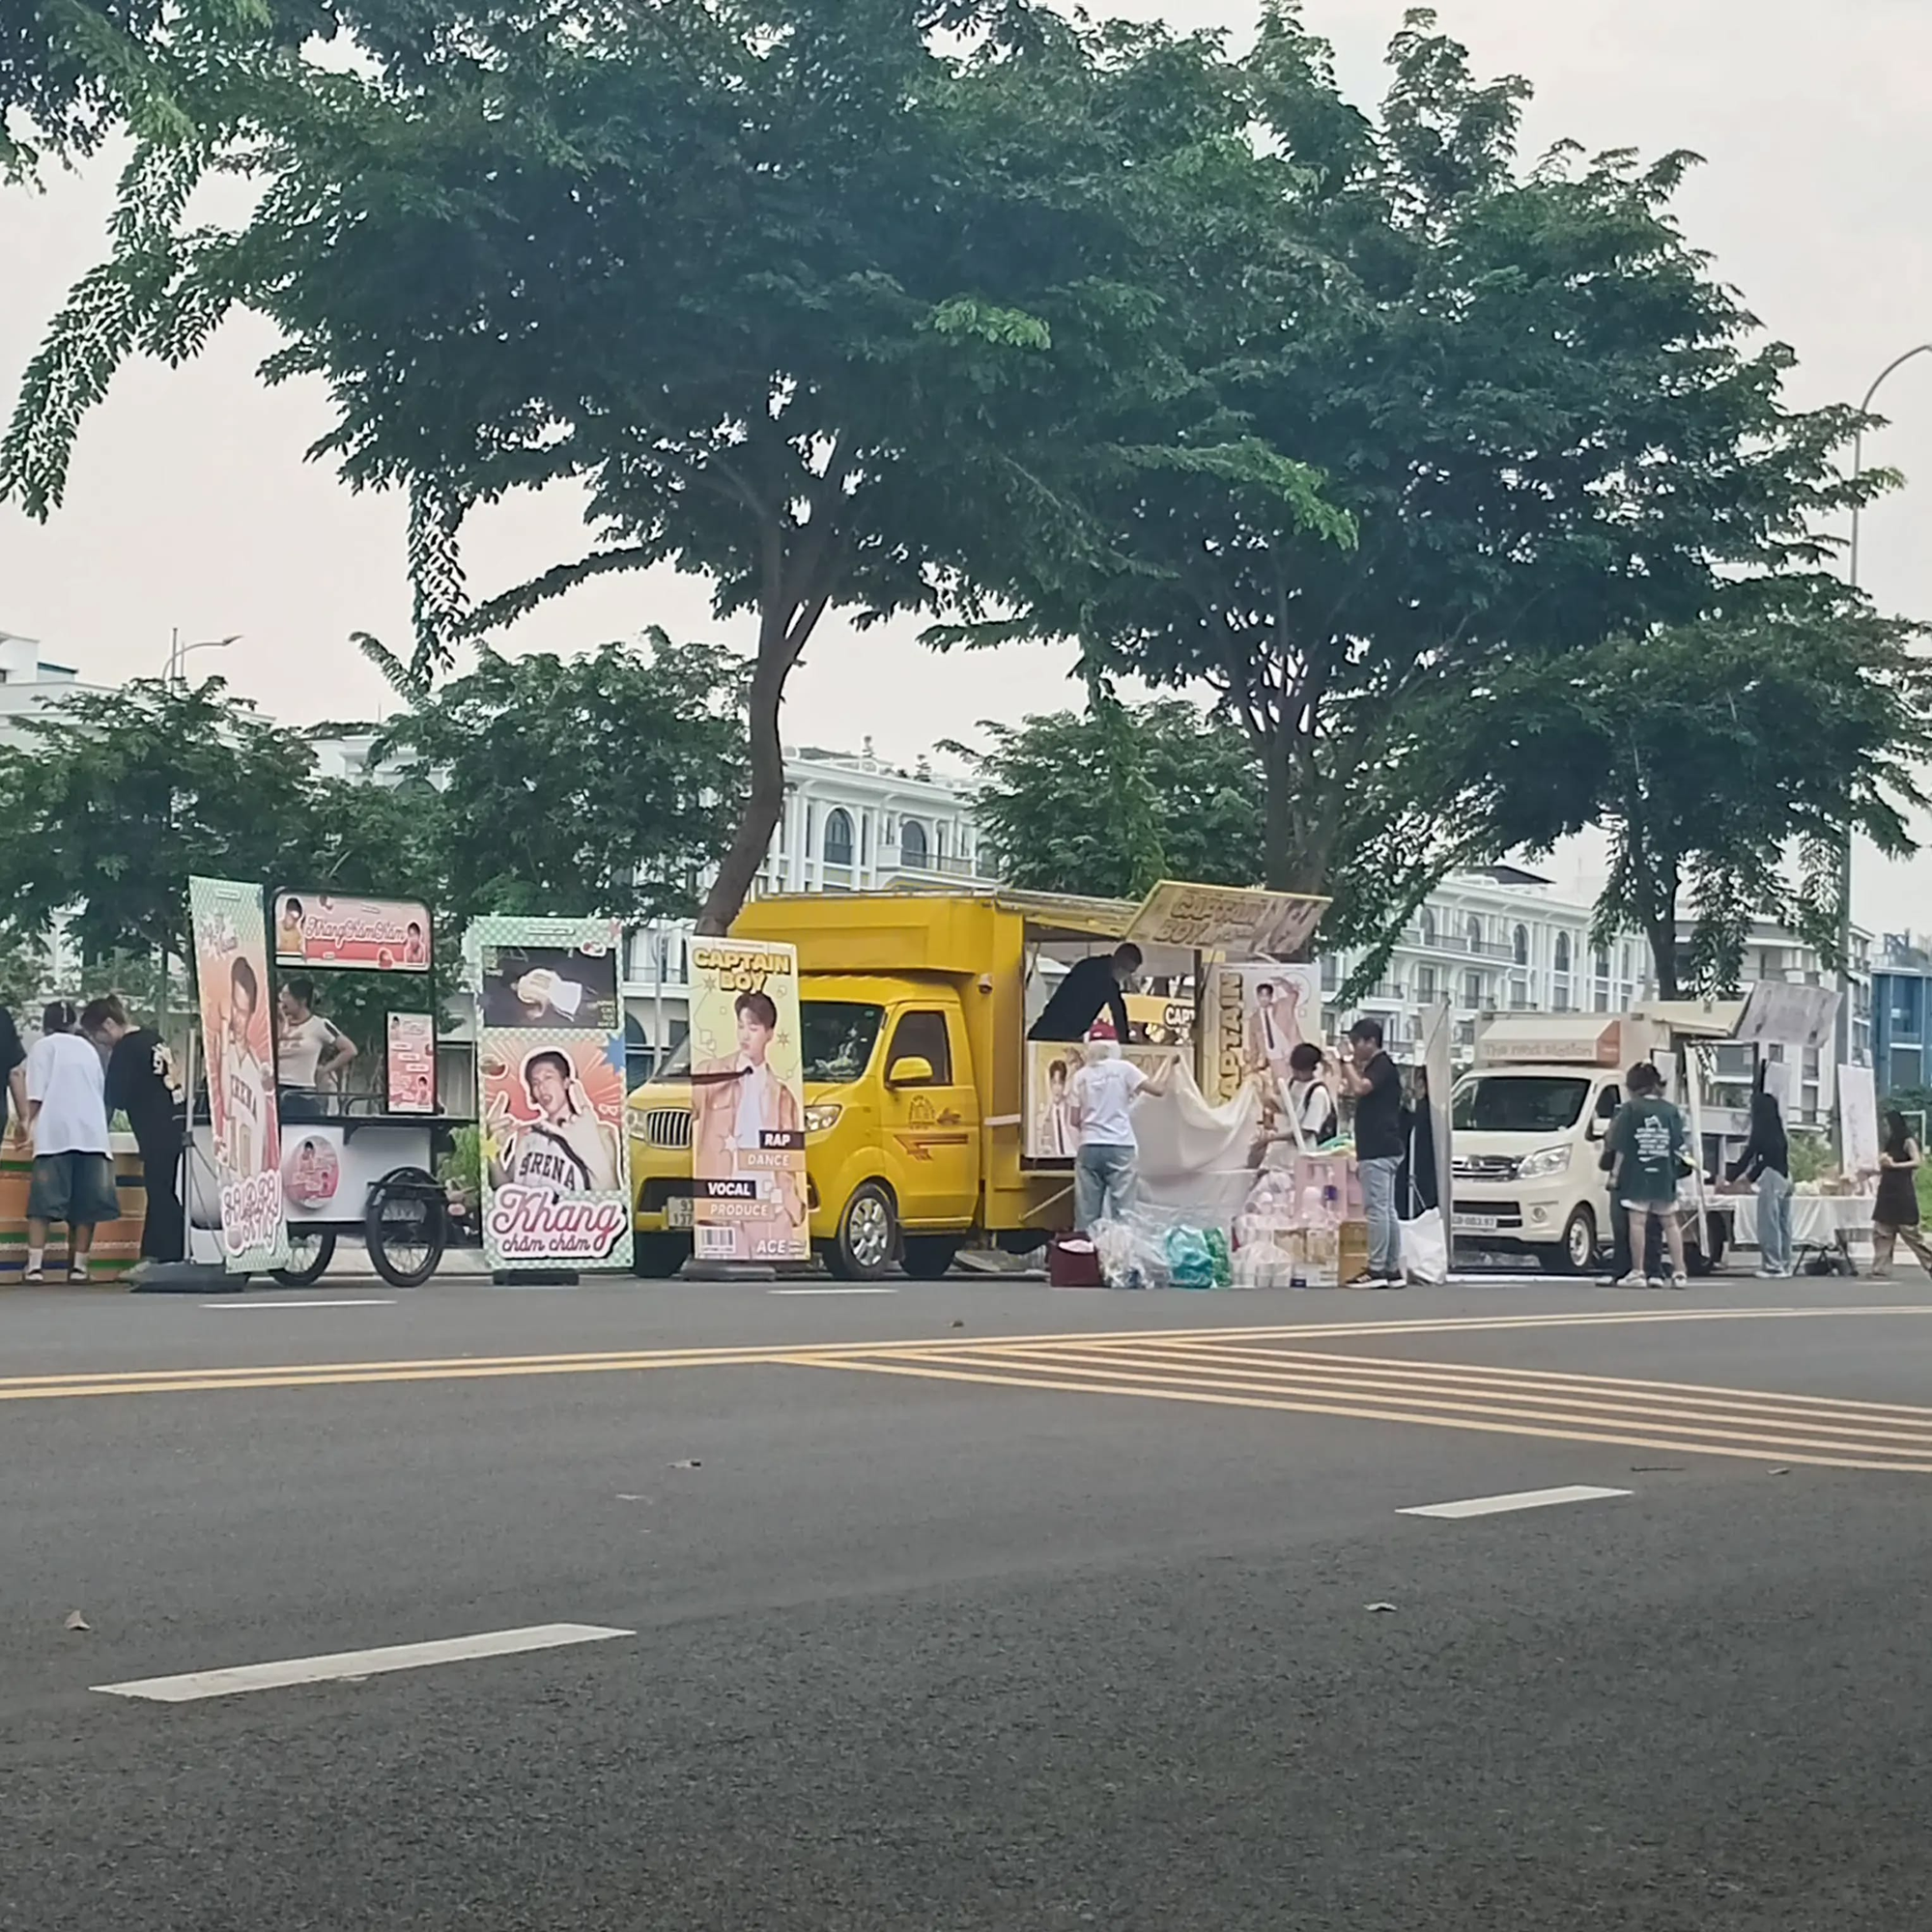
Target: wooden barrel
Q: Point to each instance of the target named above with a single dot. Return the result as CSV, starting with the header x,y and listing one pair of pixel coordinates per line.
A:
x,y
117,1243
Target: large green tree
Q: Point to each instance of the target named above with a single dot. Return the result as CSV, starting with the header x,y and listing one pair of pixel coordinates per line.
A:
x,y
836,302
609,782
1546,420
113,799
1107,802
1727,761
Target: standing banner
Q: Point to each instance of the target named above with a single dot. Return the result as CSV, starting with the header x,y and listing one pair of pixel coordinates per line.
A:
x,y
550,1077
383,935
1256,1017
409,1073
1858,1120
231,962
1439,1069
747,1104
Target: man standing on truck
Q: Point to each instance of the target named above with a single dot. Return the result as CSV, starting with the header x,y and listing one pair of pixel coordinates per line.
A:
x,y
1091,983
1369,1077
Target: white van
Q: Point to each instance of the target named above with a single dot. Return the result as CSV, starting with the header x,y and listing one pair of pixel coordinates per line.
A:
x,y
1529,1121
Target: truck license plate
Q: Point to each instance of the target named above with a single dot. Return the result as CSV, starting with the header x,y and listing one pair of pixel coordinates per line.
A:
x,y
677,1212
1477,1224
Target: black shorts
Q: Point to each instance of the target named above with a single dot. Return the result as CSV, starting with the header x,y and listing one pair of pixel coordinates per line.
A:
x,y
77,1188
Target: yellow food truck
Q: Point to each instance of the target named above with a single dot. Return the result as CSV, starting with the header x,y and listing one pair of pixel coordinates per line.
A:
x,y
931,1121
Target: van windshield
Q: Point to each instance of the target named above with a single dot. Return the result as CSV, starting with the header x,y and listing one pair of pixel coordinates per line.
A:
x,y
1520,1103
837,1044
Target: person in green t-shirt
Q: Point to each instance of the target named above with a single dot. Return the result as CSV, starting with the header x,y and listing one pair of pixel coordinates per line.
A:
x,y
1648,1142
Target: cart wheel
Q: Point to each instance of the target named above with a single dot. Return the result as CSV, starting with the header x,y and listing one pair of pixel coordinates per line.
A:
x,y
310,1252
405,1228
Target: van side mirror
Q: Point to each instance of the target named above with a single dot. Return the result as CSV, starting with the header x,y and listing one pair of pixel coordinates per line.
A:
x,y
912,1071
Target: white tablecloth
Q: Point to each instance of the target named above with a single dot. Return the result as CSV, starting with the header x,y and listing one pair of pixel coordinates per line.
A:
x,y
1817,1220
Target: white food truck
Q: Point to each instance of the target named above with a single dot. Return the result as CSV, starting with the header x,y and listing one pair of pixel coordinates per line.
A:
x,y
1531,1114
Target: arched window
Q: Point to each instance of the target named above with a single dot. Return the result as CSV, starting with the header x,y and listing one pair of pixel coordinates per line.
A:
x,y
1519,946
838,837
1475,933
912,844
1428,926
1563,952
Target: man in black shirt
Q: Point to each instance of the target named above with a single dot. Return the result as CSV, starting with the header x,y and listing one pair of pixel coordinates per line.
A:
x,y
1091,983
13,1075
141,1084
1369,1077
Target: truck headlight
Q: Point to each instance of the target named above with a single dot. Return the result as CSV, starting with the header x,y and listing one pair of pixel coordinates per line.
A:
x,y
1543,1163
822,1118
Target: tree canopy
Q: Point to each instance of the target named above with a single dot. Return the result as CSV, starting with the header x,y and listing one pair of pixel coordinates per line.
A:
x,y
1545,419
1727,760
609,780
834,301
1108,802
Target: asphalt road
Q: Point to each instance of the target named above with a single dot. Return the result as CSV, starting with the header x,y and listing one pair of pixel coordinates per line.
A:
x,y
971,1606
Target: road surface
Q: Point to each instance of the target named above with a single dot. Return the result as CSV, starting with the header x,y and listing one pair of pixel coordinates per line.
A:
x,y
966,1608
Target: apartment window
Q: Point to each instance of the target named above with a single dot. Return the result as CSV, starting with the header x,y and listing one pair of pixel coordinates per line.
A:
x,y
1427,926
865,837
1474,932
1472,989
912,842
1519,946
1331,973
838,837
1425,986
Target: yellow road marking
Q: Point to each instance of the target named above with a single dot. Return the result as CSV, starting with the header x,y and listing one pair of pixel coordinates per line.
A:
x,y
1362,1414
1175,1341
1426,1394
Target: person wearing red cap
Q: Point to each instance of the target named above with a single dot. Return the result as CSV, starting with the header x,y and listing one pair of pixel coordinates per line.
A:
x,y
1106,1170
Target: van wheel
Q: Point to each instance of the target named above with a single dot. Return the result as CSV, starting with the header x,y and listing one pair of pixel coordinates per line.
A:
x,y
1580,1243
867,1241
930,1257
658,1256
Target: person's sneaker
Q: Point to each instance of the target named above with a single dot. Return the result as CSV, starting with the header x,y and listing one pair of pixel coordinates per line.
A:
x,y
1655,1281
1391,1281
1680,1281
1628,1281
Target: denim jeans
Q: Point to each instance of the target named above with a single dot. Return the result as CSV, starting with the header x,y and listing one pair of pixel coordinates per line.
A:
x,y
1379,1177
1105,1180
1773,1220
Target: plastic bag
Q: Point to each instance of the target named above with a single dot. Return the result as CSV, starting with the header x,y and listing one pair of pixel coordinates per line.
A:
x,y
1425,1251
1190,1261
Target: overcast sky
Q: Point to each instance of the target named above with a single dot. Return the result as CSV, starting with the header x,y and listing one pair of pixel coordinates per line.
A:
x,y
190,504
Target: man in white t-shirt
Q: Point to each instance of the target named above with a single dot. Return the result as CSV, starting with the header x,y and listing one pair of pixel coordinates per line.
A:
x,y
1106,1170
73,1169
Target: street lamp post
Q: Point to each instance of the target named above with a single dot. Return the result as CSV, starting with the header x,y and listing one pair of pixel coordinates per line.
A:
x,y
179,653
1844,1029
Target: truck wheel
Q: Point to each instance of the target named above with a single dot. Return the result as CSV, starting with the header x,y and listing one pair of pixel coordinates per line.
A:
x,y
930,1257
1579,1243
867,1241
658,1256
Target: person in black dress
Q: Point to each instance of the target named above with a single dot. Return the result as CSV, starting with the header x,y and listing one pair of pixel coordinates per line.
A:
x,y
141,1083
1896,1212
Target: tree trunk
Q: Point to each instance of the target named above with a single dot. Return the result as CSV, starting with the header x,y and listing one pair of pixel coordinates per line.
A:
x,y
766,800
1662,933
1296,854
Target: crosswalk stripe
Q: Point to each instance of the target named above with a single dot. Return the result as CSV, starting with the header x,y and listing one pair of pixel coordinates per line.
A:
x,y
1355,1412
1763,1425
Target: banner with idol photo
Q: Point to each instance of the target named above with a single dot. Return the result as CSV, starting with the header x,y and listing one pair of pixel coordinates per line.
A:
x,y
747,1104
231,962
1254,1017
550,1080
380,935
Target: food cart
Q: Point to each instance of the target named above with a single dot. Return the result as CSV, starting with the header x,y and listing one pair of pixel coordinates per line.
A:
x,y
353,1163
